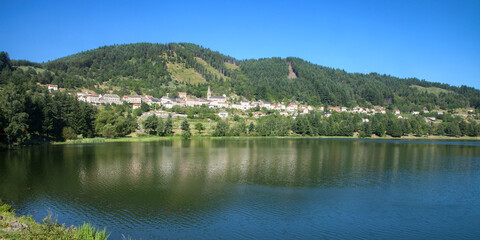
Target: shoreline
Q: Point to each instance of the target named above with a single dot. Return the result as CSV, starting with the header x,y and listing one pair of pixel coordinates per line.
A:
x,y
13,226
178,137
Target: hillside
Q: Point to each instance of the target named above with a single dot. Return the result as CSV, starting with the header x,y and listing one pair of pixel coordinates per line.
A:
x,y
155,69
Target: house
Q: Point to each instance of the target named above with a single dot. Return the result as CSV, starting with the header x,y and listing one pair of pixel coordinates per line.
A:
x,y
110,98
396,111
82,97
92,98
304,110
292,107
415,112
190,101
223,114
134,99
182,95
218,99
245,105
336,109
164,100
266,105
52,87
365,120
136,105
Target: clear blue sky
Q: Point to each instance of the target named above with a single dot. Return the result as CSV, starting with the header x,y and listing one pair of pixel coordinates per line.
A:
x,y
437,40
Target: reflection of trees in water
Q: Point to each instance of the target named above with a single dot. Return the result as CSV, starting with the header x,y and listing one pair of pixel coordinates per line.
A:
x,y
201,166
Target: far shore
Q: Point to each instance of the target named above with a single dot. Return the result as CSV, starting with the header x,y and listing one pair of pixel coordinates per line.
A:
x,y
178,137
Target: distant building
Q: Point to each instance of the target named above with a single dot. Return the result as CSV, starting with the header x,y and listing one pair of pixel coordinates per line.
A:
x,y
52,87
133,99
336,109
182,94
92,98
223,114
110,98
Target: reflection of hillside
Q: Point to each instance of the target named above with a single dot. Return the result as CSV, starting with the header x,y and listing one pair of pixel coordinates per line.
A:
x,y
200,166
279,162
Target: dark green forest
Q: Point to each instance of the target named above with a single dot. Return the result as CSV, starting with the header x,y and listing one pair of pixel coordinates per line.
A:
x,y
30,114
142,68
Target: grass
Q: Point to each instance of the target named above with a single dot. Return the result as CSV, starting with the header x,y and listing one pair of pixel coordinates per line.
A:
x,y
49,229
38,70
231,66
433,90
184,75
195,136
210,68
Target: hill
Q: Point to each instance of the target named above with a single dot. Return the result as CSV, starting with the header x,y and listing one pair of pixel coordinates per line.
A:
x,y
156,69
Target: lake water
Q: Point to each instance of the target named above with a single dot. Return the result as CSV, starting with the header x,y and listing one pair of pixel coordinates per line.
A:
x,y
253,188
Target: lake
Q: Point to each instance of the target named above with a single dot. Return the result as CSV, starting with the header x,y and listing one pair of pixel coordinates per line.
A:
x,y
253,188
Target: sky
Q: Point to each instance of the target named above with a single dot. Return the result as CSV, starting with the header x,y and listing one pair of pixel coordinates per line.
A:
x,y
438,41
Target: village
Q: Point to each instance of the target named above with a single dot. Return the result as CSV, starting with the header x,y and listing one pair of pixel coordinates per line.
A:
x,y
224,102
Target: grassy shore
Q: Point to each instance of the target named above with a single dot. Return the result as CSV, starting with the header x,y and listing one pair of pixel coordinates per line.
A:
x,y
22,227
178,137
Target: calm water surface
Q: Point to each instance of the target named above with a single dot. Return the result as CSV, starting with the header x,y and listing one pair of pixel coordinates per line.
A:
x,y
253,188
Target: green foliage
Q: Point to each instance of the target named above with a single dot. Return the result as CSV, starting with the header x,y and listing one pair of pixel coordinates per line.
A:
x,y
87,231
168,130
150,124
394,128
160,127
68,133
39,114
221,129
185,126
274,125
118,119
49,229
239,129
5,208
108,131
199,127
145,107
251,128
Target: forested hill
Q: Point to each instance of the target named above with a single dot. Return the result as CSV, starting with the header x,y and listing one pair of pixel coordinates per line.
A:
x,y
156,69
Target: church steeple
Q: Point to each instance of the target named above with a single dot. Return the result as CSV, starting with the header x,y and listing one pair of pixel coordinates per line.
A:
x,y
209,94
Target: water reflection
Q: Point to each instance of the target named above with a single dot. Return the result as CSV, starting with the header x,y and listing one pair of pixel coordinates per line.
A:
x,y
283,162
186,185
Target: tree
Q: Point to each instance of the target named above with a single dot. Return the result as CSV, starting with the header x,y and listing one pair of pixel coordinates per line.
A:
x,y
185,126
394,128
251,128
168,131
199,127
145,107
68,133
239,129
4,61
221,129
452,129
14,116
108,131
160,127
150,124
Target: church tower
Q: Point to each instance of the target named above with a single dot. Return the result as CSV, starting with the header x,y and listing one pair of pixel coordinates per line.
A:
x,y
209,94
